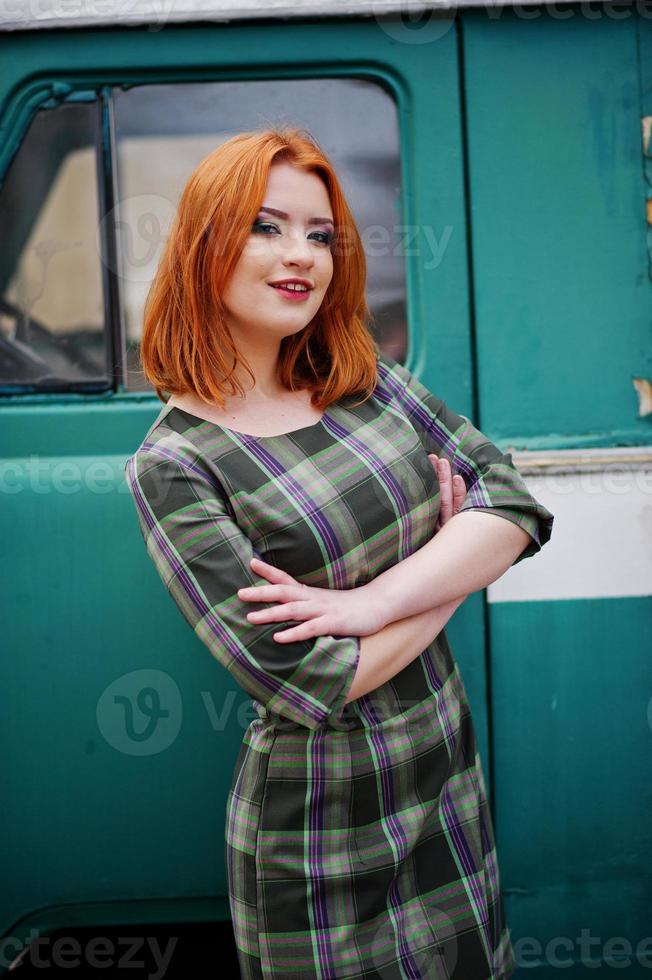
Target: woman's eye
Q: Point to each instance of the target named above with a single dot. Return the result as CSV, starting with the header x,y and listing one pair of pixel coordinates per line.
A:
x,y
325,239
263,224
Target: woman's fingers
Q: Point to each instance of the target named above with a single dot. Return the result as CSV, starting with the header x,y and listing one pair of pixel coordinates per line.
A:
x,y
459,492
271,573
446,483
271,593
291,598
305,631
279,614
452,489
310,624
444,475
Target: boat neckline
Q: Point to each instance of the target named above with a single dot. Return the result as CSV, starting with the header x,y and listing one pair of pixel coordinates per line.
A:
x,y
249,435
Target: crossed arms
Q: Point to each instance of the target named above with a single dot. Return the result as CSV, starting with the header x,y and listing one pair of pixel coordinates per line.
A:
x,y
405,607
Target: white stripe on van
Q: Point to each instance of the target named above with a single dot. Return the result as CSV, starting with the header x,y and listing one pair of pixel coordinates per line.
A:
x,y
601,544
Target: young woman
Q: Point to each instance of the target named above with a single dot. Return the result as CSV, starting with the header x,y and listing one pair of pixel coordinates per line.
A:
x,y
289,503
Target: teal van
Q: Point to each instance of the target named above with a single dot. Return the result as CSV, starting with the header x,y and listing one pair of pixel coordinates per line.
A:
x,y
499,165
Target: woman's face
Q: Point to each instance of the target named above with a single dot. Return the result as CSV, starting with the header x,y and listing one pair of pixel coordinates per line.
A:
x,y
294,246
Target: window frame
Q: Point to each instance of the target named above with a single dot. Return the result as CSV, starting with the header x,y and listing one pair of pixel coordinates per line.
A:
x,y
102,91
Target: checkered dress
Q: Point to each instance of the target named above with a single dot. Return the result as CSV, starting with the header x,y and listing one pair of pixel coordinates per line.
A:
x,y
359,841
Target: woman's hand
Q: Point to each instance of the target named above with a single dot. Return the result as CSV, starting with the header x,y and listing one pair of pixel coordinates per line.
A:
x,y
335,612
325,612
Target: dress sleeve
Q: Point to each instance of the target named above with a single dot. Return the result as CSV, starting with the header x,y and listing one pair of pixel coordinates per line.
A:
x,y
493,482
202,557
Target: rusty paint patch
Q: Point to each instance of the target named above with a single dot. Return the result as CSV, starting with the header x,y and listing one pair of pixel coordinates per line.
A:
x,y
644,392
646,129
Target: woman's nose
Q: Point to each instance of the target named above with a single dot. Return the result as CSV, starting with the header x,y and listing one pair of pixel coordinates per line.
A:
x,y
296,248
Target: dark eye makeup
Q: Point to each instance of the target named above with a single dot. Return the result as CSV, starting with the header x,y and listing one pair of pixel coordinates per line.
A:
x,y
326,238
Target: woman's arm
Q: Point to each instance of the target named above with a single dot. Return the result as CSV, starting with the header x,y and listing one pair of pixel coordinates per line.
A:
x,y
470,551
385,653
340,611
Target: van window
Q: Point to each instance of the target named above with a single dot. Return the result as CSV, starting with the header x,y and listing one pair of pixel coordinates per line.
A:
x,y
55,269
163,131
52,333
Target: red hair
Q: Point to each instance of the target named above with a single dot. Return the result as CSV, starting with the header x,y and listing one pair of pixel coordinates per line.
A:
x,y
186,344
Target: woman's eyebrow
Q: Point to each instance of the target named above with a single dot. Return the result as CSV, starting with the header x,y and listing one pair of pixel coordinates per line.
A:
x,y
311,221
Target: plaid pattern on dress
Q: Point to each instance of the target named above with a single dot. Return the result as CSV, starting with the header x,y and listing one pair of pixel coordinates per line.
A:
x,y
359,841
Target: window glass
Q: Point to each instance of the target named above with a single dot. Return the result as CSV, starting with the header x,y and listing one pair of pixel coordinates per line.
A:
x,y
163,131
52,335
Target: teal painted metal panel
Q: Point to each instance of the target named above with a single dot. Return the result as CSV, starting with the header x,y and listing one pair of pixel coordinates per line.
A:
x,y
644,37
560,269
573,770
562,303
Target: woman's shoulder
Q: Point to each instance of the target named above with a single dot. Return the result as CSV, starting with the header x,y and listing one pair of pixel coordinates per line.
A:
x,y
398,382
399,386
163,442
391,372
